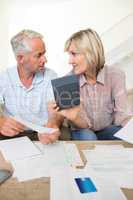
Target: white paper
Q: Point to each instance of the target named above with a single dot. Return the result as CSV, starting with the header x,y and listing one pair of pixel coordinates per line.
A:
x,y
39,129
31,168
122,180
112,163
67,152
64,187
53,155
18,148
73,155
126,133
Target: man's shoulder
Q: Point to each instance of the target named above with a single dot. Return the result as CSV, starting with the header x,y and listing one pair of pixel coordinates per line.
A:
x,y
4,73
6,70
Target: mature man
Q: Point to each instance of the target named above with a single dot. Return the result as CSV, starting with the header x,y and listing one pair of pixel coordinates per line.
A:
x,y
25,89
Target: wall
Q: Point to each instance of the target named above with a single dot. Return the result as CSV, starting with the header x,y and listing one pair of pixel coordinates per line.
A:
x,y
4,33
118,41
57,19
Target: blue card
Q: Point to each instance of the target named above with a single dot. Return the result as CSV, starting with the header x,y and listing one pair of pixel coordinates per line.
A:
x,y
85,185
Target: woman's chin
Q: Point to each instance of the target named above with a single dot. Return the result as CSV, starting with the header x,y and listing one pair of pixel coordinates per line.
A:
x,y
78,72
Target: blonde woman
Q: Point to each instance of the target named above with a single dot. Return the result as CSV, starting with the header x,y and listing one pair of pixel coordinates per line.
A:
x,y
102,89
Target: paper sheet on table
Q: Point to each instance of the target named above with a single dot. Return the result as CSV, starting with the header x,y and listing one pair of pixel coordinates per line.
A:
x,y
126,133
64,187
73,155
39,129
123,181
53,155
18,148
112,163
37,167
67,151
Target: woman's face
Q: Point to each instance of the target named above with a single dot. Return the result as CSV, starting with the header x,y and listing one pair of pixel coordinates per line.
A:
x,y
77,60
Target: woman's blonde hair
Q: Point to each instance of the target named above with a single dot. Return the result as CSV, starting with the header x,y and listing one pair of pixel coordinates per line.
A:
x,y
88,42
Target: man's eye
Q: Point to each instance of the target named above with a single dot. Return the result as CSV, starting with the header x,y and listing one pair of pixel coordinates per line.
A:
x,y
38,55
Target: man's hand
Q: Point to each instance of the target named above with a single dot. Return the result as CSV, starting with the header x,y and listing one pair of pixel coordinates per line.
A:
x,y
49,138
10,127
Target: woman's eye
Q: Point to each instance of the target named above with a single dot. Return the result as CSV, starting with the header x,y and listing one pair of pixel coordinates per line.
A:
x,y
73,54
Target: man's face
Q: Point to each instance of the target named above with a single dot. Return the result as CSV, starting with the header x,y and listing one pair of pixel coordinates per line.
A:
x,y
35,60
77,60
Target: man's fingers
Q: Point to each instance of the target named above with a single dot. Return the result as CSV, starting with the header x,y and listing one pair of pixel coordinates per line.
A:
x,y
44,139
48,138
8,132
16,124
10,127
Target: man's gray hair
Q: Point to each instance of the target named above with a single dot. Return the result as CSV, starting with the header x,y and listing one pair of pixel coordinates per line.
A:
x,y
20,42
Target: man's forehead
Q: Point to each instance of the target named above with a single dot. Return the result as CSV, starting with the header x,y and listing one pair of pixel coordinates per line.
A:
x,y
37,44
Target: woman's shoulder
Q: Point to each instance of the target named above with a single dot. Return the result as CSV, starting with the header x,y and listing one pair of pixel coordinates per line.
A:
x,y
114,70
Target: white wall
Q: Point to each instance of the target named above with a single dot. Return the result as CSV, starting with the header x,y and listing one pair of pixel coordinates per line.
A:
x,y
56,20
118,41
4,33
118,33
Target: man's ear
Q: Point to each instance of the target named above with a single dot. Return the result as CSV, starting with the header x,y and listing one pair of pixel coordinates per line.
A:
x,y
20,58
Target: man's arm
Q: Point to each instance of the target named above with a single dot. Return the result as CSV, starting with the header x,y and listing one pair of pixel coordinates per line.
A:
x,y
10,127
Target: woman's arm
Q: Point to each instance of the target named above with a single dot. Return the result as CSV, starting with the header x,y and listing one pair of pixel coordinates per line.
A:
x,y
119,95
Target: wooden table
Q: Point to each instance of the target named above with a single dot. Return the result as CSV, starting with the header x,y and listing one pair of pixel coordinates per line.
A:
x,y
39,189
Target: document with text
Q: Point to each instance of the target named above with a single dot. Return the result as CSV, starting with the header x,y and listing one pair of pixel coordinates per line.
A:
x,y
34,127
126,133
18,148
